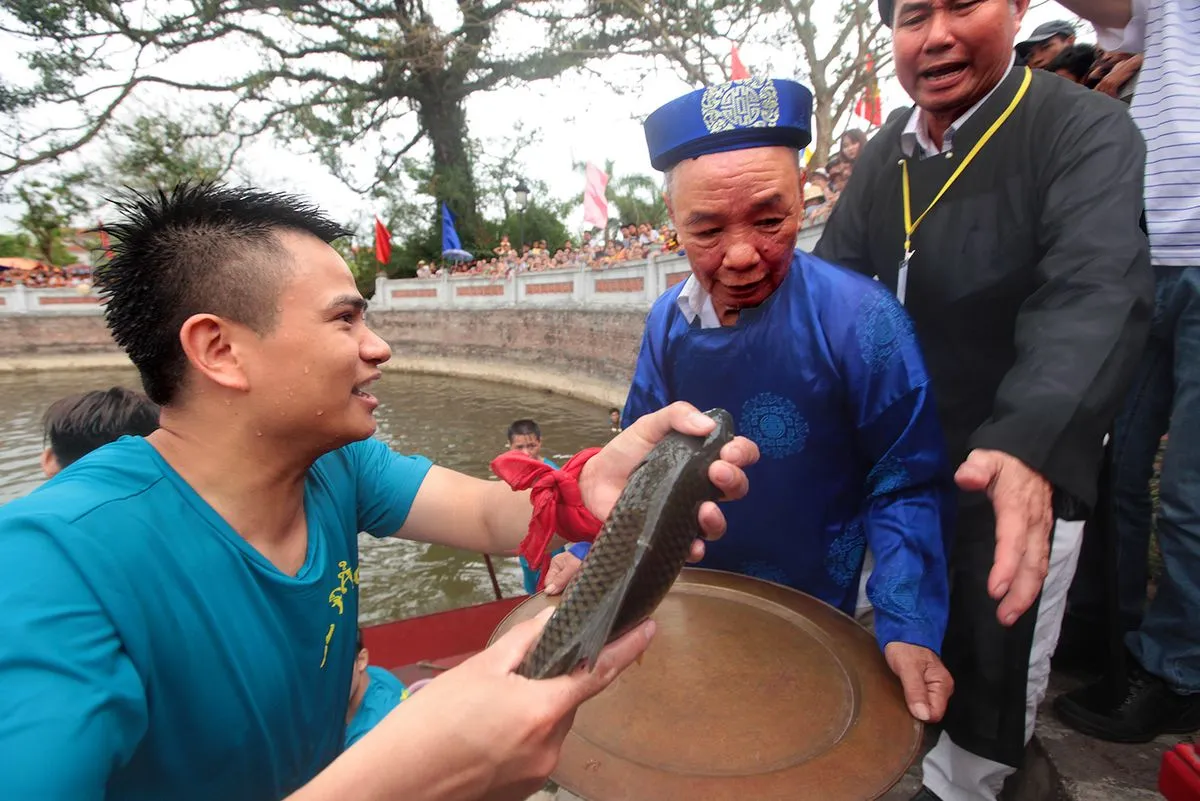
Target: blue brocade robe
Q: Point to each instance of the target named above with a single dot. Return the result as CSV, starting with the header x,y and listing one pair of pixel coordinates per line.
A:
x,y
826,377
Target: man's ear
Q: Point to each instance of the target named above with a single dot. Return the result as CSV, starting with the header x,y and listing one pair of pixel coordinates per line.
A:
x,y
212,346
1020,7
50,464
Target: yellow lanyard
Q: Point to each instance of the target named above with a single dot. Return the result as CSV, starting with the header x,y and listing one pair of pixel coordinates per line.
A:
x,y
909,224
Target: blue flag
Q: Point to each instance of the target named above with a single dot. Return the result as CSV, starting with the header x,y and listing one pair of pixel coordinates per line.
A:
x,y
450,240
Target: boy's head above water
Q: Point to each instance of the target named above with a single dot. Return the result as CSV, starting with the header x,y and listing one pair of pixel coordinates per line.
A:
x,y
525,436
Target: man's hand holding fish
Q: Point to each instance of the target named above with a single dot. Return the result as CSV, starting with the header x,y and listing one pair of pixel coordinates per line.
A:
x,y
475,514
483,730
507,731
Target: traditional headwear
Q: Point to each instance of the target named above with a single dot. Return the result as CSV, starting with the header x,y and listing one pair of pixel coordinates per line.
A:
x,y
755,112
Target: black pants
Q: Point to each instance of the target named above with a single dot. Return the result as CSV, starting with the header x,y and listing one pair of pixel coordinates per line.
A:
x,y
989,662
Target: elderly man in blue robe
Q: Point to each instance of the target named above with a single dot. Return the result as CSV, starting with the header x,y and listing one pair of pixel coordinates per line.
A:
x,y
819,367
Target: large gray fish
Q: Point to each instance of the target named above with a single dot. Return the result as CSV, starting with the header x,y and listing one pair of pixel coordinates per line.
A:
x,y
638,554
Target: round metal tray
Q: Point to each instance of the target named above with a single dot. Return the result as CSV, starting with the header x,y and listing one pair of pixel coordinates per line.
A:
x,y
750,691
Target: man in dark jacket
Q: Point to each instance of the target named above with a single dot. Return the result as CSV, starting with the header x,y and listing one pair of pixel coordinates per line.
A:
x,y
1004,212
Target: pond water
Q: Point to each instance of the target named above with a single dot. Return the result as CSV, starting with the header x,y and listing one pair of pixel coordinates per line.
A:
x,y
459,423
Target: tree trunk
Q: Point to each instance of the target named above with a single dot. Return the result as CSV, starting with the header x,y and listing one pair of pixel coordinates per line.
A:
x,y
444,119
45,245
822,128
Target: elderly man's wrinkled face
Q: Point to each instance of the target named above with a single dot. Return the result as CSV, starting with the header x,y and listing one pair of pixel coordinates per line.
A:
x,y
950,53
737,215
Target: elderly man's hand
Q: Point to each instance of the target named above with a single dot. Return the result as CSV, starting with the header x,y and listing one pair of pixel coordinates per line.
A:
x,y
605,474
1021,498
926,682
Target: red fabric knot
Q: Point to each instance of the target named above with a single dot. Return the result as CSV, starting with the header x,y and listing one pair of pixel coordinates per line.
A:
x,y
557,502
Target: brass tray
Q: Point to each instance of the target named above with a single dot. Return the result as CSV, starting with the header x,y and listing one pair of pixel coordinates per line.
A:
x,y
751,691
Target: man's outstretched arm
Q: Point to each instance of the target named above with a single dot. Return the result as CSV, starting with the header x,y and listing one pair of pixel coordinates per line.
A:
x,y
487,516
1105,13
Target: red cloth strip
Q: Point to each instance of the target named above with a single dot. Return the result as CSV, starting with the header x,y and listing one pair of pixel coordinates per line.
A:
x,y
557,503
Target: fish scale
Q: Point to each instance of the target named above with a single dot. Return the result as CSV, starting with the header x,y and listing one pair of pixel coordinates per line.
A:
x,y
642,547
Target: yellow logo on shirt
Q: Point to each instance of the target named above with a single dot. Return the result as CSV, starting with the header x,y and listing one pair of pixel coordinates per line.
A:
x,y
347,579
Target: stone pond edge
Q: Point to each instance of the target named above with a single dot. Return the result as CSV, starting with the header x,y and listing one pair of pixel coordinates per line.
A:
x,y
591,390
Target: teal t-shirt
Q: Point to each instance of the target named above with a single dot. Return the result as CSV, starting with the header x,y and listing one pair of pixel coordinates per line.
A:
x,y
148,652
384,692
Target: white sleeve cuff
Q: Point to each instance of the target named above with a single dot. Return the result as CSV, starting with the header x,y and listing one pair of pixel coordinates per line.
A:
x,y
1129,39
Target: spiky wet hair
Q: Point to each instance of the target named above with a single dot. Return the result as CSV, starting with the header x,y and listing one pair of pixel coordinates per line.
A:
x,y
204,248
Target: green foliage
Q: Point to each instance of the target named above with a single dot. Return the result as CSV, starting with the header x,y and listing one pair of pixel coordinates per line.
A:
x,y
16,245
414,218
49,209
361,261
364,85
637,199
540,223
12,99
158,152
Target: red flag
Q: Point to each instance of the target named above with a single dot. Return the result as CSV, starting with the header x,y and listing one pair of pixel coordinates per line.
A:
x,y
870,105
737,70
383,242
595,206
108,254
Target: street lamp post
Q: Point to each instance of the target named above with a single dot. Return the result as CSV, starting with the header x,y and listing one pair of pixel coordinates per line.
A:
x,y
521,195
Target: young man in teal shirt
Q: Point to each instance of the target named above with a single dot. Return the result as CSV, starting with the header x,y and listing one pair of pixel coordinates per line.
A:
x,y
180,610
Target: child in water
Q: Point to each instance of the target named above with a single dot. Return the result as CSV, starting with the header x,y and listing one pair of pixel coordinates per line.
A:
x,y
526,436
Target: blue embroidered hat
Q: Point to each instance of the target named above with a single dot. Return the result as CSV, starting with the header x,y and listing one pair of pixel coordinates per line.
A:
x,y
754,112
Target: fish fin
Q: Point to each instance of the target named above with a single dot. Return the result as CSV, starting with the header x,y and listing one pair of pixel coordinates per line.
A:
x,y
600,627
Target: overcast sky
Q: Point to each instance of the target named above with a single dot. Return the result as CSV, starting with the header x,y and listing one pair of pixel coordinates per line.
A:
x,y
580,118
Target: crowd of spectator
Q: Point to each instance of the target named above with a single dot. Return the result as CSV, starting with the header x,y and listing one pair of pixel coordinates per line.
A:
x,y
635,242
36,275
632,242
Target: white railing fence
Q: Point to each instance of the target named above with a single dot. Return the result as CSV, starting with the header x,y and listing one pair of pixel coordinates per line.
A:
x,y
68,300
632,284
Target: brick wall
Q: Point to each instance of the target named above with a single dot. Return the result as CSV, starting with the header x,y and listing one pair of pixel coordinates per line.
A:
x,y
597,344
54,335
620,284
